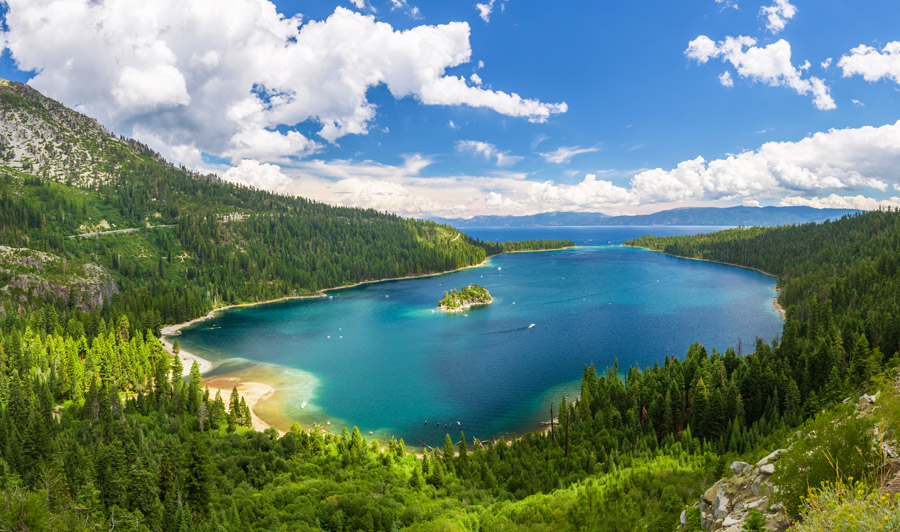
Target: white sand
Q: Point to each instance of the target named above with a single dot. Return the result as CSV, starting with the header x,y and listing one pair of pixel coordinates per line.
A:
x,y
187,358
252,392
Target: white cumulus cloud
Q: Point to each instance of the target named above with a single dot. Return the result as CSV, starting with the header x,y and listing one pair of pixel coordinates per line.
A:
x,y
777,15
873,64
259,175
844,160
236,77
842,202
839,159
726,80
485,10
770,64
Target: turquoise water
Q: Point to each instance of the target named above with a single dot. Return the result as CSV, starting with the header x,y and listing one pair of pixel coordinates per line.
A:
x,y
378,357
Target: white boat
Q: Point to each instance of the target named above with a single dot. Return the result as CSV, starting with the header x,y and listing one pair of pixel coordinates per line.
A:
x,y
531,326
303,404
499,268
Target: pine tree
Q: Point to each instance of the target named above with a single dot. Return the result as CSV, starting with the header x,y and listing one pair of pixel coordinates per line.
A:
x,y
234,404
194,389
860,368
463,460
199,476
357,447
245,416
699,420
448,451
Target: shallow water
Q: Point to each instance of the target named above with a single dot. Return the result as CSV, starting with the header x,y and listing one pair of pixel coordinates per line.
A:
x,y
378,357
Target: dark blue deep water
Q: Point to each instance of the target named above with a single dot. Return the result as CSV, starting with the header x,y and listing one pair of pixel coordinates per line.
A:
x,y
378,357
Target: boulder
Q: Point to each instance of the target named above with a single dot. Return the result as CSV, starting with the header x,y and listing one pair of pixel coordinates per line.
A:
x,y
733,521
738,467
772,457
767,469
721,504
756,503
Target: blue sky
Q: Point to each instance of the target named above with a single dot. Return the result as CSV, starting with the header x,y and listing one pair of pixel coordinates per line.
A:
x,y
407,106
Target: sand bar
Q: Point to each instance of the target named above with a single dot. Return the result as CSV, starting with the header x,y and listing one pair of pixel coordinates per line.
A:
x,y
252,392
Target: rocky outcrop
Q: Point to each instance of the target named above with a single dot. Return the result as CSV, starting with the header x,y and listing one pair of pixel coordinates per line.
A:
x,y
725,506
26,274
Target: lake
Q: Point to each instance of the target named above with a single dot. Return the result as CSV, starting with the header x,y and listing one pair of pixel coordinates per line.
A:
x,y
379,357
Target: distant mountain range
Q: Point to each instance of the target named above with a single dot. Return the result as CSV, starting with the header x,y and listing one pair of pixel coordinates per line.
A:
x,y
765,216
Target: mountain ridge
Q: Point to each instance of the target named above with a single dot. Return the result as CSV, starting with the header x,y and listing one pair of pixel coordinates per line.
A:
x,y
731,216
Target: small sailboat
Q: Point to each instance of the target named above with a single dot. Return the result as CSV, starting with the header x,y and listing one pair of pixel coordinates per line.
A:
x,y
499,268
303,404
531,326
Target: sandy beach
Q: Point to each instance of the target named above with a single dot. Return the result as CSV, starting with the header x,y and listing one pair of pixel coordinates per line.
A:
x,y
187,358
252,392
778,306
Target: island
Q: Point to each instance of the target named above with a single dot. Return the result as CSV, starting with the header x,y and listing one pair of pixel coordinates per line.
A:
x,y
464,298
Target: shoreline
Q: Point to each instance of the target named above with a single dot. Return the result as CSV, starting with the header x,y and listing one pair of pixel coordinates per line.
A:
x,y
778,308
175,330
536,250
464,307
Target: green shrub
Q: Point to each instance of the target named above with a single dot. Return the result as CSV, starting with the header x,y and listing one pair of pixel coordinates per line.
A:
x,y
755,522
835,446
842,507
